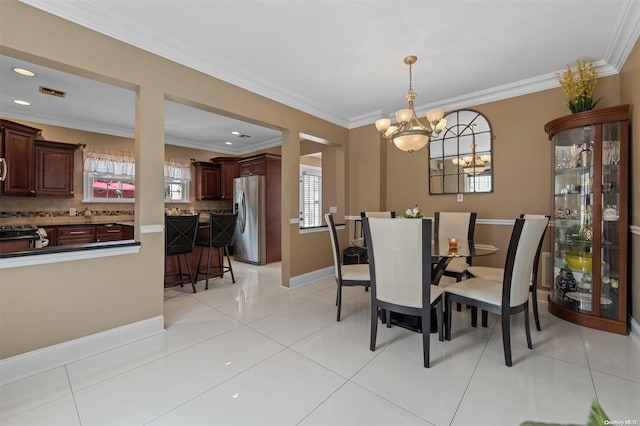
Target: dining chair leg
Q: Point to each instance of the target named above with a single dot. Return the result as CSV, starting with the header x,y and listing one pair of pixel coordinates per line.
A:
x,y
339,301
374,327
526,326
506,338
439,319
534,304
447,323
426,335
485,318
387,318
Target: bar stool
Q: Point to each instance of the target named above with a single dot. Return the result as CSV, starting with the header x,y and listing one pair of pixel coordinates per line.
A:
x,y
221,230
179,239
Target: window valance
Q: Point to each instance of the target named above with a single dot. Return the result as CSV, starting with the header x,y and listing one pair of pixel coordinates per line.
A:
x,y
121,163
117,163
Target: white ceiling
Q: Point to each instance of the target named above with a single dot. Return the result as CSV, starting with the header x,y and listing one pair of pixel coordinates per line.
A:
x,y
342,60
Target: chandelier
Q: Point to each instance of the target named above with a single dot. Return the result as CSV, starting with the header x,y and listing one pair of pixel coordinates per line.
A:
x,y
473,164
410,134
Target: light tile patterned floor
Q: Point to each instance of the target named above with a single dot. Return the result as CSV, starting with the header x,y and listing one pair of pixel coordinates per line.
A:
x,y
255,353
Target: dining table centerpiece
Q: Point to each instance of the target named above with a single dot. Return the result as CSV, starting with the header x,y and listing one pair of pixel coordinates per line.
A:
x,y
413,213
578,84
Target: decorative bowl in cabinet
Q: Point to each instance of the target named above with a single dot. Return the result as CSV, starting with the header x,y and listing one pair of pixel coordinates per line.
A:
x,y
578,261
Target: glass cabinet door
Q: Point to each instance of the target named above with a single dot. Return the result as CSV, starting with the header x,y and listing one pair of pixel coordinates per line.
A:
x,y
574,215
610,219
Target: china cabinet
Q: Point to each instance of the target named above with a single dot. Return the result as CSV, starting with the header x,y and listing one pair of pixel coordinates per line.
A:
x,y
590,198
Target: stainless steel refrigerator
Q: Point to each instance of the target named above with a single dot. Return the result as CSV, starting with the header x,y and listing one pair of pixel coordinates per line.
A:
x,y
249,244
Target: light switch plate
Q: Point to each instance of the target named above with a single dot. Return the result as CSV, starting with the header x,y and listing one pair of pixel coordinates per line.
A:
x,y
460,198
333,209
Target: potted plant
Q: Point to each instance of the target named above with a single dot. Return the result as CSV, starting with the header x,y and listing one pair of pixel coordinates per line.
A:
x,y
578,85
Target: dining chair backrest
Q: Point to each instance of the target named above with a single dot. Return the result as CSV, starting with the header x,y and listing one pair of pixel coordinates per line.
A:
x,y
525,238
534,275
335,246
460,225
222,228
400,260
180,234
389,214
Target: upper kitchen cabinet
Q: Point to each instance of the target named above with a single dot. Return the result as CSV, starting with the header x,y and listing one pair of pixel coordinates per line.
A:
x,y
228,172
17,157
54,168
252,165
207,180
34,168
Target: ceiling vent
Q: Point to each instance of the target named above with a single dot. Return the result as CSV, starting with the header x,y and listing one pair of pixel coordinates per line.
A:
x,y
52,92
243,136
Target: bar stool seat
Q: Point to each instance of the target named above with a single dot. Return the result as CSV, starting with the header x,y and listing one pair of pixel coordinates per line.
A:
x,y
221,230
179,239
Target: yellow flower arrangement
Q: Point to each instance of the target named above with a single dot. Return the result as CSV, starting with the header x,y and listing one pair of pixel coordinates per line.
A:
x,y
578,85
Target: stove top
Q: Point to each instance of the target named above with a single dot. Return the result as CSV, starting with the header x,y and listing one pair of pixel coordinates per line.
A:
x,y
12,231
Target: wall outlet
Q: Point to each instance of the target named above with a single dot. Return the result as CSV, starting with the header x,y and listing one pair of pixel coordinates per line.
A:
x,y
460,198
333,209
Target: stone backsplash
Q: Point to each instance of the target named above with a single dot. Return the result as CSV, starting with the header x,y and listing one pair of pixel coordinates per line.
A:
x,y
46,211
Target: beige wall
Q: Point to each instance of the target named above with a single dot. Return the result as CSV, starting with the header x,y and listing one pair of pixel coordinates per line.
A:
x,y
135,290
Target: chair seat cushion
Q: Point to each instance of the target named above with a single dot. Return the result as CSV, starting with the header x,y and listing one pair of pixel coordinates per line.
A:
x,y
355,272
457,265
487,273
436,291
477,288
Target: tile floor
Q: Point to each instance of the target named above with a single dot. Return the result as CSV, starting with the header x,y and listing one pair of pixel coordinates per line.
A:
x,y
255,353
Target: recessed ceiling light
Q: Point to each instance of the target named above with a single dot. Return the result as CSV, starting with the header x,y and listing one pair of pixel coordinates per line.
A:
x,y
24,72
228,143
235,133
21,102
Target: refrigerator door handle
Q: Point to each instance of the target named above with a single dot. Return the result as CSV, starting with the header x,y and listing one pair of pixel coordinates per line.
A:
x,y
242,214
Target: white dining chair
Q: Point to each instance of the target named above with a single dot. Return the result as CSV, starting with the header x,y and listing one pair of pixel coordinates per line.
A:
x,y
497,274
400,268
345,275
512,295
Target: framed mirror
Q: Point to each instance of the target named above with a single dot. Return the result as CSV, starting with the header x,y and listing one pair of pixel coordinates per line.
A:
x,y
461,156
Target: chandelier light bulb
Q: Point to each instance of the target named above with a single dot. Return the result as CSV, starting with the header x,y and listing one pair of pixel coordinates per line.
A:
x,y
383,124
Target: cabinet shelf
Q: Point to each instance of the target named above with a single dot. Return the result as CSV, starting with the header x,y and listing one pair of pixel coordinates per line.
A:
x,y
593,229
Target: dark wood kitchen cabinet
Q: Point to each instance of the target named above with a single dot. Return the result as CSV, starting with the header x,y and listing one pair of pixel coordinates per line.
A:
x,y
207,180
54,169
17,154
109,232
253,165
74,235
228,172
32,167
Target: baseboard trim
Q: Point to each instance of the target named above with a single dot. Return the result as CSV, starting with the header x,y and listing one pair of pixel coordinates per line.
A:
x,y
310,277
39,360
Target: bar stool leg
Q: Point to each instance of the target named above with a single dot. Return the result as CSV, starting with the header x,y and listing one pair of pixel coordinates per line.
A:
x,y
226,250
193,283
206,281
